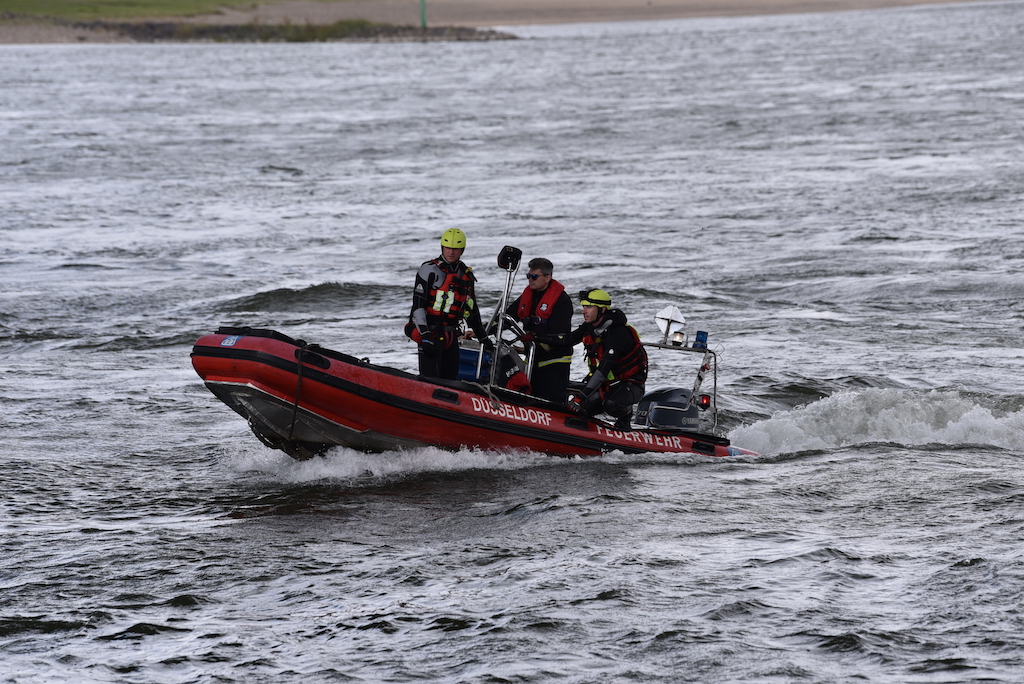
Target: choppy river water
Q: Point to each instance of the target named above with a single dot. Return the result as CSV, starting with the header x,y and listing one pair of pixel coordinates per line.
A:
x,y
836,198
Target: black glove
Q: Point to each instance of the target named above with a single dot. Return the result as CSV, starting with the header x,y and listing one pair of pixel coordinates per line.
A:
x,y
487,343
574,403
548,338
429,346
593,383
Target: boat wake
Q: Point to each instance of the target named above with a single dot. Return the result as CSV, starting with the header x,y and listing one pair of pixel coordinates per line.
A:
x,y
356,467
906,417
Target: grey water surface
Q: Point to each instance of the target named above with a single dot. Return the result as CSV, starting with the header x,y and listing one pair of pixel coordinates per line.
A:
x,y
835,198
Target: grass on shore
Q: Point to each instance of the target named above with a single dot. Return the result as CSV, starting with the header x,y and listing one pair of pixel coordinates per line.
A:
x,y
155,20
87,10
149,31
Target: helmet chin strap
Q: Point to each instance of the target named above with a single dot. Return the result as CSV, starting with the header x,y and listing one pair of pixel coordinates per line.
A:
x,y
603,322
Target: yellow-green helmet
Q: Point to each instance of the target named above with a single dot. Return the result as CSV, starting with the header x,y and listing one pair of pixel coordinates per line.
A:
x,y
454,238
595,298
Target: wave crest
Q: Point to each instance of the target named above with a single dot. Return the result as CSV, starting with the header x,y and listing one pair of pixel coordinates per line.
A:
x,y
885,415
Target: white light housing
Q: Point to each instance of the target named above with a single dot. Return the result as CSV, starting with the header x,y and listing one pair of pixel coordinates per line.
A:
x,y
672,324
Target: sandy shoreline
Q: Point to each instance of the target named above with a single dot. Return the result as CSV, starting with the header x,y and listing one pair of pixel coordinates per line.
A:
x,y
468,13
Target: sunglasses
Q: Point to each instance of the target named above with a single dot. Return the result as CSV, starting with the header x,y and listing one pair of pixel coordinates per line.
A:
x,y
533,276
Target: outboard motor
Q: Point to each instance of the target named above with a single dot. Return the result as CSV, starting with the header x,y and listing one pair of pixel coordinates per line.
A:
x,y
668,408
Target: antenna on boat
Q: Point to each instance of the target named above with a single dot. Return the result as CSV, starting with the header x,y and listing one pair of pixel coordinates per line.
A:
x,y
508,260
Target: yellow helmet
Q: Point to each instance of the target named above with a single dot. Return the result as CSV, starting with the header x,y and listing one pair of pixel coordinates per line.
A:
x,y
454,238
595,298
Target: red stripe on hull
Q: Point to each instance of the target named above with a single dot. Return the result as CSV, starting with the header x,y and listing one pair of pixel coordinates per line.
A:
x,y
342,400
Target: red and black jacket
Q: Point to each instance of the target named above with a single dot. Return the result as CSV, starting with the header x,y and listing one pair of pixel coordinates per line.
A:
x,y
444,295
549,318
614,350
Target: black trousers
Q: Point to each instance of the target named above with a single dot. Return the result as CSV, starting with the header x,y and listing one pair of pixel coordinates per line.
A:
x,y
616,399
551,382
445,362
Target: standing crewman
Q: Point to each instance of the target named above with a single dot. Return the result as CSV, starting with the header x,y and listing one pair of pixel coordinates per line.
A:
x,y
443,297
545,310
616,358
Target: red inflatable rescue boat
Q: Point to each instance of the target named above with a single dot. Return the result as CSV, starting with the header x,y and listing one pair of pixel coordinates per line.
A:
x,y
304,399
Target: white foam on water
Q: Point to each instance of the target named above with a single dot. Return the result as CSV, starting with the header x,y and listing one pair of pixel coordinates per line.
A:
x,y
349,464
884,415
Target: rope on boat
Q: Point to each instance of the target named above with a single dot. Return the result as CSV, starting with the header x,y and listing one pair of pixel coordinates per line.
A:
x,y
298,388
495,402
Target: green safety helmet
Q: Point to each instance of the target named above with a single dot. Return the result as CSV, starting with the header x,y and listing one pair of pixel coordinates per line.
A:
x,y
595,298
454,238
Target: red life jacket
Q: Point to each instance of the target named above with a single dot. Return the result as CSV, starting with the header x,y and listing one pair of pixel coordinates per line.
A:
x,y
450,300
546,304
631,365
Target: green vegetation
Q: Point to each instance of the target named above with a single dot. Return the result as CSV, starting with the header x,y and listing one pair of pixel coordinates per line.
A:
x,y
156,20
85,10
289,34
259,33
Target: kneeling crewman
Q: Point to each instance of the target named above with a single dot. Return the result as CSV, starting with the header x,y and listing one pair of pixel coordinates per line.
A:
x,y
616,357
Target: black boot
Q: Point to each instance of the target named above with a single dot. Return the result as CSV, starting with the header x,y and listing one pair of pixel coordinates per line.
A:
x,y
623,423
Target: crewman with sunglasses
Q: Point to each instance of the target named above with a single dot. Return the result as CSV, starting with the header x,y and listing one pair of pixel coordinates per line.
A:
x,y
545,310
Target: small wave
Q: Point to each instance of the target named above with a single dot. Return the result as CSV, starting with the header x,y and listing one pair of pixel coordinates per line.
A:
x,y
140,341
141,630
41,335
884,415
317,298
12,626
84,266
188,601
286,170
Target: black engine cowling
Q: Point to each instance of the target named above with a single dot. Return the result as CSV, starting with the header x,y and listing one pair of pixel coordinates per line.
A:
x,y
668,408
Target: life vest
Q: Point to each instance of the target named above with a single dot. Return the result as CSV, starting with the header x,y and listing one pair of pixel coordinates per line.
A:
x,y
543,310
450,300
545,306
631,368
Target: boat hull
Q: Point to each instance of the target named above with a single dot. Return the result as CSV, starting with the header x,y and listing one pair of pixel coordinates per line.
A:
x,y
304,399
